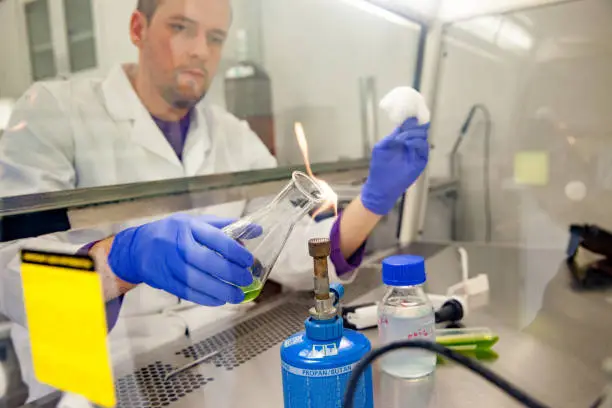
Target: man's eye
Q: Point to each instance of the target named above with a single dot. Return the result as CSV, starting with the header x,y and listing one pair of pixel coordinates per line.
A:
x,y
177,27
217,39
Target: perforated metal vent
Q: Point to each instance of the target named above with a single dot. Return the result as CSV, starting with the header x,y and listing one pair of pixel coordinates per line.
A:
x,y
146,388
238,346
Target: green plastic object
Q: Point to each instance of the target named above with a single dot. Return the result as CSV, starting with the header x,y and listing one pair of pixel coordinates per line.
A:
x,y
484,355
467,339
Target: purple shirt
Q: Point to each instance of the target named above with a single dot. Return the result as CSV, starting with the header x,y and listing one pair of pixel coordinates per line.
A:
x,y
342,265
176,134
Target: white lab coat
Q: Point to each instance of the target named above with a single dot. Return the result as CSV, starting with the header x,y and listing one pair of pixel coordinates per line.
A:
x,y
88,133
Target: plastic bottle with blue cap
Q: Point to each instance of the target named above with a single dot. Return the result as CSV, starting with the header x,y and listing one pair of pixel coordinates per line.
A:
x,y
405,313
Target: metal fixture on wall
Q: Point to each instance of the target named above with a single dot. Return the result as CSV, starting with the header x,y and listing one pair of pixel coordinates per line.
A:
x,y
369,113
455,169
411,227
248,94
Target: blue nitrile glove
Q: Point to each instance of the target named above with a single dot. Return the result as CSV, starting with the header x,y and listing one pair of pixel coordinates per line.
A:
x,y
189,257
397,162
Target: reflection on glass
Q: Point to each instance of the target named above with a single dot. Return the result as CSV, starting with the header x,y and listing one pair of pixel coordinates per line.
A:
x,y
272,76
124,123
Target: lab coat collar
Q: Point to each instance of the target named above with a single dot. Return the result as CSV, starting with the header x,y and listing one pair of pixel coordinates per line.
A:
x,y
121,100
123,103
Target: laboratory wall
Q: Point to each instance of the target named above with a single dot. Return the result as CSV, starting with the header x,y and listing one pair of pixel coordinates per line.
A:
x,y
317,52
543,76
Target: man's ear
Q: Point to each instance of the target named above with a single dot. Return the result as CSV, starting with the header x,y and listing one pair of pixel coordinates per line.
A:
x,y
138,28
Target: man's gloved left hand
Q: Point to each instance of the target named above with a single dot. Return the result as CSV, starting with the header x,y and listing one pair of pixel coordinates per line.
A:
x,y
397,162
189,257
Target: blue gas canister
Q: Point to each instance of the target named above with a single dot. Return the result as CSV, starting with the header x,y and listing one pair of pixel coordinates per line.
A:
x,y
318,362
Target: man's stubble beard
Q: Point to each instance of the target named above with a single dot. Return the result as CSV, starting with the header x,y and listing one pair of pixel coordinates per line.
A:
x,y
174,99
171,93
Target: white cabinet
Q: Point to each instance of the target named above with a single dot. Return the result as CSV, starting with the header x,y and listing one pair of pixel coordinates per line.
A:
x,y
40,43
45,39
60,36
80,34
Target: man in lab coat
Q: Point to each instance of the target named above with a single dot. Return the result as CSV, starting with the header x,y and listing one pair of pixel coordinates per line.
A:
x,y
148,122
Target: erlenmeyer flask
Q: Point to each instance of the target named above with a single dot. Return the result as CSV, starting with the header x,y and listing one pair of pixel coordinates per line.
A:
x,y
265,232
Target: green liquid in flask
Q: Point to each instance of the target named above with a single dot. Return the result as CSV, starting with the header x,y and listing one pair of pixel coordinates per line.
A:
x,y
252,291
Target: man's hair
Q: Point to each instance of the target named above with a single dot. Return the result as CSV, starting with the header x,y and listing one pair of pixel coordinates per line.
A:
x,y
148,7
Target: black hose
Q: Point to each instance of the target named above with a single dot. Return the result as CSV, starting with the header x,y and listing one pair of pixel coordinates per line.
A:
x,y
597,402
472,365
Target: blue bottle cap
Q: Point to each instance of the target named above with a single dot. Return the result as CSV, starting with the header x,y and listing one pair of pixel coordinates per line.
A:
x,y
404,270
324,330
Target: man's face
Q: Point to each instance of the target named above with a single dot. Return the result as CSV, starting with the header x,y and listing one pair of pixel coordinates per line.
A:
x,y
180,47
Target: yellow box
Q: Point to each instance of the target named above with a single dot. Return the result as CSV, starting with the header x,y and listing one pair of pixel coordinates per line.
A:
x,y
66,317
531,168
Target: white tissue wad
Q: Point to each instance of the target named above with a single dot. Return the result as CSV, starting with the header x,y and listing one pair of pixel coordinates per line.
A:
x,y
405,102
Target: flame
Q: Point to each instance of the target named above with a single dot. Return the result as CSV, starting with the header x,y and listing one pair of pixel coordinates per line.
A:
x,y
330,197
303,143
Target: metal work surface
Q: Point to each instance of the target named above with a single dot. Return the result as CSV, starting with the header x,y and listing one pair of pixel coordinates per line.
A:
x,y
552,342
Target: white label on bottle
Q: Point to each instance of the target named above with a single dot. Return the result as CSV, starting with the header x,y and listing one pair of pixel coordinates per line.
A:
x,y
323,350
395,328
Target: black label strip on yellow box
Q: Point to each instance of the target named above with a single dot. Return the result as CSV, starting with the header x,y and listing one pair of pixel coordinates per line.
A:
x,y
78,262
66,315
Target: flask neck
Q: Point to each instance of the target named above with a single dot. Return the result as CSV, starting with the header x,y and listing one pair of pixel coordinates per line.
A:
x,y
296,200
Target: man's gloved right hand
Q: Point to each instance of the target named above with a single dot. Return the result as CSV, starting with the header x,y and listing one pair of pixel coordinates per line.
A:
x,y
397,162
189,257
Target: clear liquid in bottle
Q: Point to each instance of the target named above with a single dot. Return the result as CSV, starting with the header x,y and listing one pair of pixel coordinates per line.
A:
x,y
406,313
